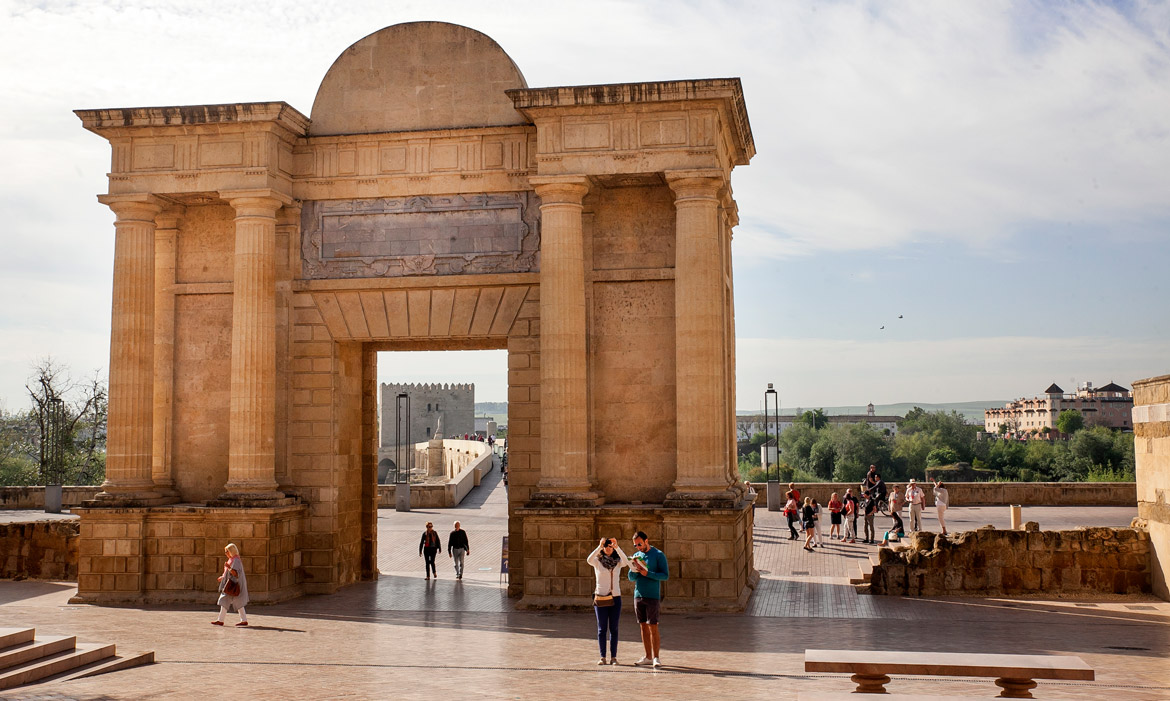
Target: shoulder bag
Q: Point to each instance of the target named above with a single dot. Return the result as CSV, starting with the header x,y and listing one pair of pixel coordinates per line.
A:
x,y
232,587
603,601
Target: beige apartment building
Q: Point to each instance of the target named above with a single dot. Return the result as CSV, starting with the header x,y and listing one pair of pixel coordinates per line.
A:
x,y
1111,406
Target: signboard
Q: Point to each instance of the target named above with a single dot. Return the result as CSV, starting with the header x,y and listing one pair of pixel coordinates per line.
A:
x,y
504,561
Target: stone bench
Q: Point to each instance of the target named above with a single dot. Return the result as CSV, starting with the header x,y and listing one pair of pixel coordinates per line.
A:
x,y
1014,674
848,696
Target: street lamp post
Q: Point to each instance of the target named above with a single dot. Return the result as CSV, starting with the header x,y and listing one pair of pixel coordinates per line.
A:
x,y
403,452
774,503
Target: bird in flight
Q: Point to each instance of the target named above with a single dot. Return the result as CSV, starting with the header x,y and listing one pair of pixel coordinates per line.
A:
x,y
881,328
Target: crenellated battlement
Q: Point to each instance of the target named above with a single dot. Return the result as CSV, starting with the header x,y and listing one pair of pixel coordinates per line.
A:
x,y
429,386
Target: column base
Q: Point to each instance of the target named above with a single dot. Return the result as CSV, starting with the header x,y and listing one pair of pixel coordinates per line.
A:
x,y
125,500
691,499
247,499
572,500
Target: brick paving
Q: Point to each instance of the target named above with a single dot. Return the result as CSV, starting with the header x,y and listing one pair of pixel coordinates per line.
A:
x,y
403,637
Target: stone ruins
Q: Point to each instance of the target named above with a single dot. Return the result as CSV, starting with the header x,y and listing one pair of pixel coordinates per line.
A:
x,y
431,201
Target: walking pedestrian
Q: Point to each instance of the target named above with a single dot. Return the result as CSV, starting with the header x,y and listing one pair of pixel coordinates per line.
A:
x,y
896,503
851,508
792,513
870,507
835,508
428,547
940,503
808,516
233,586
796,495
917,499
607,561
648,570
817,534
458,548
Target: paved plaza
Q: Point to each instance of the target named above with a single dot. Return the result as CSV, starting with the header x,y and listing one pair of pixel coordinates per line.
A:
x,y
402,637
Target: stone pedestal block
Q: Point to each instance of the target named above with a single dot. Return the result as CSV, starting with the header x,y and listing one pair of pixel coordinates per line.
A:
x,y
1151,430
175,553
708,550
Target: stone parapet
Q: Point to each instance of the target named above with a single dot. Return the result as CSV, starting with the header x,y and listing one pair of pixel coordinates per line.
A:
x,y
175,553
990,561
39,550
992,493
708,551
34,497
1151,429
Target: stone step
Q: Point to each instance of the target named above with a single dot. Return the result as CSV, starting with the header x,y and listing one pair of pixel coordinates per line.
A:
x,y
83,654
112,664
16,636
43,646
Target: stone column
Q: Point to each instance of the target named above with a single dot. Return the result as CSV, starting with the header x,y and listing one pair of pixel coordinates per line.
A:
x,y
564,429
131,400
165,236
252,413
702,477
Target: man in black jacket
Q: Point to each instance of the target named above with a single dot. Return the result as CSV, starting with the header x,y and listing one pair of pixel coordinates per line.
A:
x,y
457,548
428,547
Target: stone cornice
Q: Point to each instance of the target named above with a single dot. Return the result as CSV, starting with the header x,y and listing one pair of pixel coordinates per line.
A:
x,y
727,90
115,121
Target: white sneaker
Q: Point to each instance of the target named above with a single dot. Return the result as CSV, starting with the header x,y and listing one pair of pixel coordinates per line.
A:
x,y
657,663
644,662
613,660
601,661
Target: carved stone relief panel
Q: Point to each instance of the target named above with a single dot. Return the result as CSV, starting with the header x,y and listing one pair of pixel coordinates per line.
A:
x,y
435,235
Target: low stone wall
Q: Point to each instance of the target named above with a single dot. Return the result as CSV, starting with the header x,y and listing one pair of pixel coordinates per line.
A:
x,y
475,460
39,550
991,493
34,497
990,561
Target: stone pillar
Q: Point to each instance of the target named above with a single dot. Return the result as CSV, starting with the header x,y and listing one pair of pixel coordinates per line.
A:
x,y
165,236
702,477
252,413
564,429
131,399
1151,432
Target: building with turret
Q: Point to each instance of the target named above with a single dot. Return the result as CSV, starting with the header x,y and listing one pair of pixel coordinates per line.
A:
x,y
454,402
1110,406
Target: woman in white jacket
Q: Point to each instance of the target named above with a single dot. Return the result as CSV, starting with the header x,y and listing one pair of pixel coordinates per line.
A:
x,y
607,561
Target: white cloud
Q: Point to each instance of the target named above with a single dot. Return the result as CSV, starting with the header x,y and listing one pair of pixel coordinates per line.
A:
x,y
876,123
829,372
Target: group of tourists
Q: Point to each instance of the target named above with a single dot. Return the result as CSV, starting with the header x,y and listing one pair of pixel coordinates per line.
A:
x,y
844,511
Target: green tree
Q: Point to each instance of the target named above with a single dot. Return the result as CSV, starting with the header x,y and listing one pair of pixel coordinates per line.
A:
x,y
1070,421
81,425
857,446
814,419
942,456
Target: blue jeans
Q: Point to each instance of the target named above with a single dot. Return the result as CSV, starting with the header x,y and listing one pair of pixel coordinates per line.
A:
x,y
607,620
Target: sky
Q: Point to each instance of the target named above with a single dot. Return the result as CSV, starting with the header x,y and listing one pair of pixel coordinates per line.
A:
x,y
985,180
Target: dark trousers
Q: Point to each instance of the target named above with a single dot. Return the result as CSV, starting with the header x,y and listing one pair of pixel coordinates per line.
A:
x,y
607,620
791,527
429,558
869,532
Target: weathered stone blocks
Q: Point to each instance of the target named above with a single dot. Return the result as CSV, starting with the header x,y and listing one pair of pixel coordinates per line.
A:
x,y
991,561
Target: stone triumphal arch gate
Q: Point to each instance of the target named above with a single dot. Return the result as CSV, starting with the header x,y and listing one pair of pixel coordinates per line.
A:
x,y
432,201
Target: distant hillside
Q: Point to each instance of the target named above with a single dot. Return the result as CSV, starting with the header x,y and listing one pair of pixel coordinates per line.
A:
x,y
972,411
497,410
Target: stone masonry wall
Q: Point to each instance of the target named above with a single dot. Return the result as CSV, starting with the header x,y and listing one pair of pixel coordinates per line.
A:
x,y
40,550
990,493
1151,446
990,561
34,497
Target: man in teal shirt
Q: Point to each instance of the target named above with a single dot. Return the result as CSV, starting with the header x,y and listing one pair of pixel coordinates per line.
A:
x,y
648,569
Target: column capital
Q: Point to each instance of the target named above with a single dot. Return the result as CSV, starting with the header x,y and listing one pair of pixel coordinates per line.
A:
x,y
169,218
560,189
134,207
696,184
262,202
